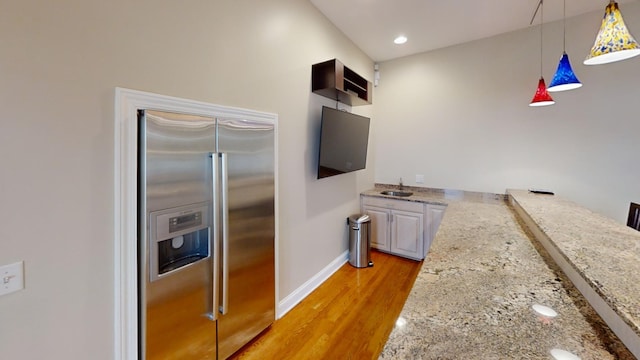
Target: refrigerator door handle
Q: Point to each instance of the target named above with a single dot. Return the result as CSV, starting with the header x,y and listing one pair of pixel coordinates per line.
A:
x,y
224,307
214,236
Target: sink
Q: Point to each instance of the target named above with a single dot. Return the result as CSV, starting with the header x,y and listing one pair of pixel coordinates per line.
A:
x,y
396,193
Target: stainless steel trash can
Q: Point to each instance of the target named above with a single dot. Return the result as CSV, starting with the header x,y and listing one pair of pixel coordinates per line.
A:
x,y
359,240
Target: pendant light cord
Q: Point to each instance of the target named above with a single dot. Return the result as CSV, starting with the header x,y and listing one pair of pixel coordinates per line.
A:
x,y
564,26
540,8
541,22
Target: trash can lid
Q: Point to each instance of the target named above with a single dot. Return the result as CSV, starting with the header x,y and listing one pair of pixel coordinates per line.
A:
x,y
359,218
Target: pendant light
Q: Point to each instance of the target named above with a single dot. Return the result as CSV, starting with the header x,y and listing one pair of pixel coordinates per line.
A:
x,y
614,42
564,79
541,97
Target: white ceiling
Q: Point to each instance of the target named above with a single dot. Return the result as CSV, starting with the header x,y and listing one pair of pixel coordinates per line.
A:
x,y
373,24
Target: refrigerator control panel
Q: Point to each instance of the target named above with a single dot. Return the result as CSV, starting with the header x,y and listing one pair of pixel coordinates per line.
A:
x,y
174,222
187,221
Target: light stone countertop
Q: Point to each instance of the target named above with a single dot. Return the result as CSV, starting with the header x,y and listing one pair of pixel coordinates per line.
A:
x,y
604,252
474,294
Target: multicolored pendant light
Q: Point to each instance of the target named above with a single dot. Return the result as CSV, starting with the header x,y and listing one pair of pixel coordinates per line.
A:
x,y
541,97
565,78
614,42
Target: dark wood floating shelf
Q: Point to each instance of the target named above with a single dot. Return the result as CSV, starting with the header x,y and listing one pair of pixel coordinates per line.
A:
x,y
334,80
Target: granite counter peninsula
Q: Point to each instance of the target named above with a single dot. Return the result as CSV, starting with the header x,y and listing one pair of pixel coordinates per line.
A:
x,y
600,256
474,295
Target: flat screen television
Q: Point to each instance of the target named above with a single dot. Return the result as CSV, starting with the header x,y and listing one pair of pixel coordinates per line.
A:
x,y
344,138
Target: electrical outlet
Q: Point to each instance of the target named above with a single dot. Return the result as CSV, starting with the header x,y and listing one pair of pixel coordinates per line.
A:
x,y
419,179
11,278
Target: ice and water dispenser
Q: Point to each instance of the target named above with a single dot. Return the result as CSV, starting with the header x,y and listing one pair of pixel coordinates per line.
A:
x,y
178,237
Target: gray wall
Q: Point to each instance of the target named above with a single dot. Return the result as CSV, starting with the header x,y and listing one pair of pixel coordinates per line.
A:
x,y
460,116
61,62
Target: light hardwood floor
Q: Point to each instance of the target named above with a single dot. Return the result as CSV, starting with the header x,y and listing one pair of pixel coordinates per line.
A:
x,y
349,316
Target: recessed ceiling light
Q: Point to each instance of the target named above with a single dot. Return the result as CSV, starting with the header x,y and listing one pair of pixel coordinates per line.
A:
x,y
400,40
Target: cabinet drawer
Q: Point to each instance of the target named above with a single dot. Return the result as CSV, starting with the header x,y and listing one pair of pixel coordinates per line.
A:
x,y
393,204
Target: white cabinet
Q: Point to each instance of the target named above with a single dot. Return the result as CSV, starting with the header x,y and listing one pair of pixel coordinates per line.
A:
x,y
401,227
433,217
407,234
380,235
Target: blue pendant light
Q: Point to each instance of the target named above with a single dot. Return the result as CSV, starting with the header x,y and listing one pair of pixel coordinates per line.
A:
x,y
564,79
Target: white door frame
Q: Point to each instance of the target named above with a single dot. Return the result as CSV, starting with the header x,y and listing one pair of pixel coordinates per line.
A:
x,y
127,104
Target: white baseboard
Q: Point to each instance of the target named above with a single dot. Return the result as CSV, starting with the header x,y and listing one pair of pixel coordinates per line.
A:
x,y
303,291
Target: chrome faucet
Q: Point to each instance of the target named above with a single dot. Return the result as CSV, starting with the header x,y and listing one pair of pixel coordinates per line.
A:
x,y
401,186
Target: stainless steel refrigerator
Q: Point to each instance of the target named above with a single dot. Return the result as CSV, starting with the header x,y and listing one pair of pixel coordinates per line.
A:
x,y
206,234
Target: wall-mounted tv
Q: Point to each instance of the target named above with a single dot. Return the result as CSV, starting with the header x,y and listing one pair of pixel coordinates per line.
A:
x,y
343,142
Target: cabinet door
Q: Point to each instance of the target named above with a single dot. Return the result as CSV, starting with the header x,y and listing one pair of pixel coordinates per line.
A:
x,y
379,227
434,217
407,234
